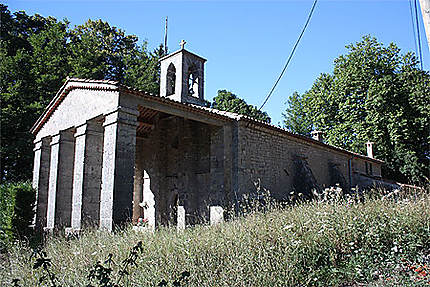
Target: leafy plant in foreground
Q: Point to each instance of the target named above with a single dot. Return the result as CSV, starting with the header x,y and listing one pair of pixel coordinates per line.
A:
x,y
180,281
45,263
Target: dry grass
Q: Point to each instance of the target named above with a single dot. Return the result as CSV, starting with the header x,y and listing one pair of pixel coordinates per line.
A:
x,y
336,243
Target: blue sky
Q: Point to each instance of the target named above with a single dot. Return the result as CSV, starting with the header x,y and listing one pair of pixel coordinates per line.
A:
x,y
247,43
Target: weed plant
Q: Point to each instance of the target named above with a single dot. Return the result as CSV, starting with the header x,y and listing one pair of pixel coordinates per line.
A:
x,y
334,241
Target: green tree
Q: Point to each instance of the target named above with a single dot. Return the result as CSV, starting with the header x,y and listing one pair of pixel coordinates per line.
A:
x,y
99,51
295,118
374,93
31,69
36,56
143,69
227,101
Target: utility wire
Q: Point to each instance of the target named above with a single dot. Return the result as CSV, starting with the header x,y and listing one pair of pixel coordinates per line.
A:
x,y
291,54
418,32
413,26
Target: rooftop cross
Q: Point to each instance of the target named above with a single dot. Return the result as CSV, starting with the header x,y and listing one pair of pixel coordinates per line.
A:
x,y
182,44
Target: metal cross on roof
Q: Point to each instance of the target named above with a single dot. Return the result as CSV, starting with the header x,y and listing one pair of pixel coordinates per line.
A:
x,y
182,44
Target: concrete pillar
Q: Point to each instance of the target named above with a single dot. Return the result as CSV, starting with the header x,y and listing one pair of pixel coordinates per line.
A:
x,y
181,218
216,215
42,152
59,209
87,175
119,148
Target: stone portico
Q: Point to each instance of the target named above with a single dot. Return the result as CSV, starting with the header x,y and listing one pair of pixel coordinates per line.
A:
x,y
106,154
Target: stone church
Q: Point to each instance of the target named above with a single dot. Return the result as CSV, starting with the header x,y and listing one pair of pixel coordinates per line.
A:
x,y
106,154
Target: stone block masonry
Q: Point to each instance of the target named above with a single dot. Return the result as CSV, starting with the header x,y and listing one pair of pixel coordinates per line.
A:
x,y
284,163
87,174
118,167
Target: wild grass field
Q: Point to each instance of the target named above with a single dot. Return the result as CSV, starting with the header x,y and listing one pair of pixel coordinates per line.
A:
x,y
341,242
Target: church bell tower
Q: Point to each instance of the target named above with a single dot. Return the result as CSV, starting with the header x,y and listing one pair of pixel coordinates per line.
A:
x,y
182,76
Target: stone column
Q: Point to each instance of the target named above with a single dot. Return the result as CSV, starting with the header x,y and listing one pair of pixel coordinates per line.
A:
x,y
87,174
217,159
60,180
42,152
228,162
53,176
119,147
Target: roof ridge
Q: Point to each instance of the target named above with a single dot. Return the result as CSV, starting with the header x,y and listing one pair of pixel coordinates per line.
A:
x,y
87,80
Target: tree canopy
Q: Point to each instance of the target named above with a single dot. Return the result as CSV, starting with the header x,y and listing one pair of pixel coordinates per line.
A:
x,y
375,94
227,101
37,54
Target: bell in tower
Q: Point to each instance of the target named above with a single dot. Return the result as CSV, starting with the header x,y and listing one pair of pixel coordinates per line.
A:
x,y
182,76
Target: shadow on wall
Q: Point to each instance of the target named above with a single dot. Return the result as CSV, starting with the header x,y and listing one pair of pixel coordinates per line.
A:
x,y
304,181
336,176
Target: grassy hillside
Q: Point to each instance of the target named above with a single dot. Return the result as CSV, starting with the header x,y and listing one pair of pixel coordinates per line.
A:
x,y
338,243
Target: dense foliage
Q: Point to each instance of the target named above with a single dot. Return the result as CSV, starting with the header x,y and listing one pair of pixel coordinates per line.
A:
x,y
339,242
36,56
374,93
16,211
227,101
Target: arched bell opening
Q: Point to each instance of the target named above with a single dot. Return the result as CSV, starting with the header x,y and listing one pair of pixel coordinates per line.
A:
x,y
193,81
171,80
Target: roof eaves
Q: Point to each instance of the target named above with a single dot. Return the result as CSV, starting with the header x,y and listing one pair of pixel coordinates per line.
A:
x,y
51,103
61,94
184,106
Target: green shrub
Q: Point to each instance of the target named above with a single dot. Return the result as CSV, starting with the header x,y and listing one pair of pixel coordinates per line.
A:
x,y
7,203
16,211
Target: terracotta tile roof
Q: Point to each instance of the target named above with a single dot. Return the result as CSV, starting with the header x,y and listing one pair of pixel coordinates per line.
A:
x,y
223,115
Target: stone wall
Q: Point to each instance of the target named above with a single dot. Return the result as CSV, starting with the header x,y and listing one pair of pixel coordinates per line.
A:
x,y
283,163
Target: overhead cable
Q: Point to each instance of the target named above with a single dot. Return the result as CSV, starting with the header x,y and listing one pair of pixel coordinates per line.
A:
x,y
291,54
418,34
413,26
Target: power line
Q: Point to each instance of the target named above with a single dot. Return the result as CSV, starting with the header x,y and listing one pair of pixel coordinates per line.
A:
x,y
418,33
291,54
413,26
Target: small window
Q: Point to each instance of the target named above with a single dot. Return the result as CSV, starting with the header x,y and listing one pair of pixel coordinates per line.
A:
x,y
171,80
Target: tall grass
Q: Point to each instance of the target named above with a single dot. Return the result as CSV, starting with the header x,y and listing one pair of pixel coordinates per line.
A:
x,y
325,243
